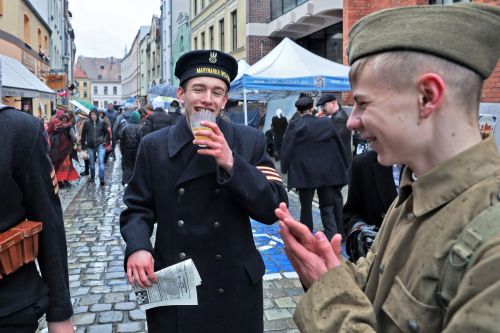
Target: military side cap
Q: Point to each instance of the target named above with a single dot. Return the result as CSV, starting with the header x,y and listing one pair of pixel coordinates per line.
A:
x,y
304,103
325,98
211,63
467,34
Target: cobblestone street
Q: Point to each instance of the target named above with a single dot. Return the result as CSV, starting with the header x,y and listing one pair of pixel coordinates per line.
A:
x,y
102,299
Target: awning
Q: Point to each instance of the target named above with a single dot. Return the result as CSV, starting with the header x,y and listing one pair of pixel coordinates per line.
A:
x,y
18,81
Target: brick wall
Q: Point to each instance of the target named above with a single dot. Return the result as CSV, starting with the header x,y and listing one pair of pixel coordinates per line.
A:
x,y
356,9
258,46
258,11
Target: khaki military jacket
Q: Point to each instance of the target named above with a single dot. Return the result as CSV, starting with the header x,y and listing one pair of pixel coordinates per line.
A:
x,y
394,288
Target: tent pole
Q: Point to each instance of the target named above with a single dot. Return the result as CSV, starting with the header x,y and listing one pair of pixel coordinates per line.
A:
x,y
245,105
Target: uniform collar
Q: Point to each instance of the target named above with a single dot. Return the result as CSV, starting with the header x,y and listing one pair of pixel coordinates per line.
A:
x,y
181,134
451,178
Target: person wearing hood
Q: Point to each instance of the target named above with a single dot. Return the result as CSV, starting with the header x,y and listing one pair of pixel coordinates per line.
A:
x,y
278,126
130,138
95,139
174,111
159,119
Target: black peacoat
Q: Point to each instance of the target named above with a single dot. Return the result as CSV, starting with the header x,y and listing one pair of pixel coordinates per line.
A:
x,y
371,191
202,213
29,191
339,120
313,154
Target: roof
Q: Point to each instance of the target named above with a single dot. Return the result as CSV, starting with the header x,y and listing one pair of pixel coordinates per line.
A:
x,y
17,80
78,73
108,68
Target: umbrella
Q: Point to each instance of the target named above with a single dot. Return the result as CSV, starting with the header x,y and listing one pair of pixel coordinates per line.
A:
x,y
82,105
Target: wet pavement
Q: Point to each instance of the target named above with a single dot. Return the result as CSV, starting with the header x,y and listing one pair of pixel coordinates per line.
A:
x,y
103,301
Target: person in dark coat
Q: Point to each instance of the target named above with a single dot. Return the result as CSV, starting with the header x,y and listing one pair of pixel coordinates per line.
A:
x,y
174,111
332,109
372,189
29,191
314,158
278,125
158,120
130,137
96,140
202,199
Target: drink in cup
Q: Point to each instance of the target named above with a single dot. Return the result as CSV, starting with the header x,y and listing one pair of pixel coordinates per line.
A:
x,y
195,120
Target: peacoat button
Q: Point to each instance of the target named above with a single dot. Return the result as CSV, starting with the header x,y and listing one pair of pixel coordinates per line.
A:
x,y
181,191
220,291
381,268
410,216
413,326
218,257
182,256
180,223
216,225
217,192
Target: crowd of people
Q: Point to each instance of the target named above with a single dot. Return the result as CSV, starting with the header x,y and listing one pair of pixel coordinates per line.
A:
x,y
420,221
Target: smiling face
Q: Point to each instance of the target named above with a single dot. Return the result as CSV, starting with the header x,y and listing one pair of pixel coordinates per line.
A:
x,y
200,93
386,116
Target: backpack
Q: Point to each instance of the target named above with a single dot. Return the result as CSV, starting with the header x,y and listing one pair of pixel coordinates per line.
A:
x,y
482,228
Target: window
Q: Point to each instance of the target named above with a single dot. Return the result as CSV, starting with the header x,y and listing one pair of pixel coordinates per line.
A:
x,y
95,90
203,41
221,34
46,42
211,37
77,84
1,7
195,43
102,67
234,31
39,38
85,84
99,77
27,35
105,103
105,90
85,94
195,7
115,90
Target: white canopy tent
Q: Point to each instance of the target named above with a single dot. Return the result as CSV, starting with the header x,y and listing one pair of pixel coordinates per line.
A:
x,y
289,68
17,80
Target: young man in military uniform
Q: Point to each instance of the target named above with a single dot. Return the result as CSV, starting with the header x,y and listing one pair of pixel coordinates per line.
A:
x,y
29,191
416,88
201,194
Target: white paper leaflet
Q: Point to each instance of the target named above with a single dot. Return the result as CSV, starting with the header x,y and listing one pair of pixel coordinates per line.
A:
x,y
176,286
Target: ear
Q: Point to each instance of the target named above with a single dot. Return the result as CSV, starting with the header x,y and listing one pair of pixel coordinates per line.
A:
x,y
431,93
180,95
224,101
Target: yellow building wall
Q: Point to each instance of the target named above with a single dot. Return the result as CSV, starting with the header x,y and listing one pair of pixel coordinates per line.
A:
x,y
210,15
12,22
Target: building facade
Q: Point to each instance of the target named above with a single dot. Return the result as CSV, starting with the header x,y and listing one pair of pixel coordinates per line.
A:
x,y
82,85
130,73
175,35
24,34
220,25
105,77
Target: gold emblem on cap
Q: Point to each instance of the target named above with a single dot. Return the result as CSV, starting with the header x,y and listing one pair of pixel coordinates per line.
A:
x,y
213,57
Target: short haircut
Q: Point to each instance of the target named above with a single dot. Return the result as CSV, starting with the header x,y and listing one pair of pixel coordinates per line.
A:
x,y
399,68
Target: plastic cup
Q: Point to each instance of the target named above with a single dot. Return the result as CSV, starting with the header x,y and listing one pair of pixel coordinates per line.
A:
x,y
195,120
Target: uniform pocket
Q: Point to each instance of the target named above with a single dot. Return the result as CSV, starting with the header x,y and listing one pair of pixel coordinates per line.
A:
x,y
409,314
254,265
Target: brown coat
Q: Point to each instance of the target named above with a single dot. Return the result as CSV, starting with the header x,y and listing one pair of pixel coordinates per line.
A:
x,y
394,288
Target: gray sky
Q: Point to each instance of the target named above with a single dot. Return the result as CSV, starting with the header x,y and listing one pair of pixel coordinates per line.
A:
x,y
104,27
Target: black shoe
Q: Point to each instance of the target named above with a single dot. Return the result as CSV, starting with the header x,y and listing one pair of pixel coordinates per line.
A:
x,y
103,183
91,179
84,173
